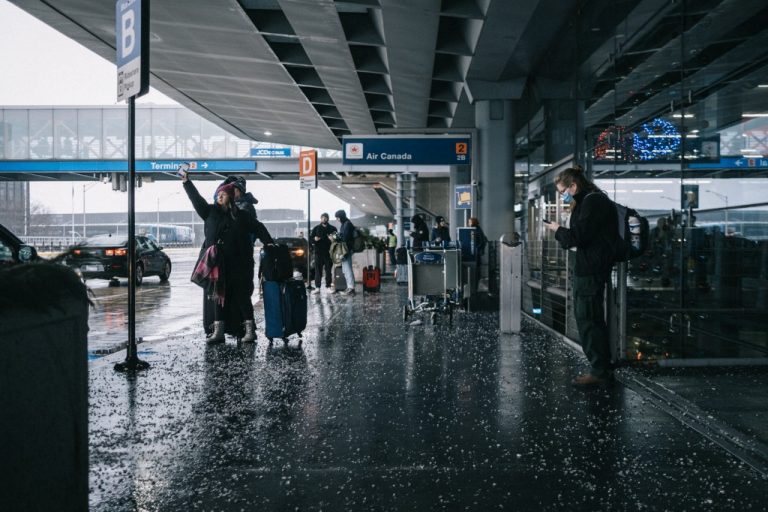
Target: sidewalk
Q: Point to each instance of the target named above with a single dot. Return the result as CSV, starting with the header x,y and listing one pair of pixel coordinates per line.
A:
x,y
369,414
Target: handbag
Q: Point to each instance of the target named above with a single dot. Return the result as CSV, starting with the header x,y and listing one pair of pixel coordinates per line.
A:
x,y
338,251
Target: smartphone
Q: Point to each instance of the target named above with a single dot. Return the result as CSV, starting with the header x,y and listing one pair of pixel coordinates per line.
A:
x,y
547,221
181,172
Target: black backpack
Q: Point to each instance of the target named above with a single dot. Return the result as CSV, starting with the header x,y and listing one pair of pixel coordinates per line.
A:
x,y
358,241
276,264
633,234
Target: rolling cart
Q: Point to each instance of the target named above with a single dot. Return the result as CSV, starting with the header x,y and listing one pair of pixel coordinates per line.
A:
x,y
434,283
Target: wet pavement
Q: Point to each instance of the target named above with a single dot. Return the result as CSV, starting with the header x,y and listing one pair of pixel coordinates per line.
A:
x,y
737,396
162,309
369,414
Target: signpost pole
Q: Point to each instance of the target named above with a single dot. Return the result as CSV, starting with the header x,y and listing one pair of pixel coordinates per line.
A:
x,y
132,43
309,244
132,361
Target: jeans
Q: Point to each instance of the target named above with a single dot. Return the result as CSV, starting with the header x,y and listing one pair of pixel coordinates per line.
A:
x,y
346,267
589,295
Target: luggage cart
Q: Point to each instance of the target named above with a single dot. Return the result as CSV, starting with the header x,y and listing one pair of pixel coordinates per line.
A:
x,y
434,283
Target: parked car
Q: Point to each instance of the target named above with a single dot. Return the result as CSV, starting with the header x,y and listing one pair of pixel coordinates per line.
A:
x,y
14,250
298,248
105,257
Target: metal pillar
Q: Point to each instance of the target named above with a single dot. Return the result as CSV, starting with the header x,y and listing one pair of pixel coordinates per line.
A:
x,y
406,204
510,275
132,361
399,212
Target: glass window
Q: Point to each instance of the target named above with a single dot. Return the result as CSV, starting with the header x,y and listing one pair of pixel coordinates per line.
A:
x,y
115,134
65,133
16,134
40,133
188,125
144,142
89,130
164,133
214,141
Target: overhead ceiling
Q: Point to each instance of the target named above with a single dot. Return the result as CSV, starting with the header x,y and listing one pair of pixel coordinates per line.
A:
x,y
311,71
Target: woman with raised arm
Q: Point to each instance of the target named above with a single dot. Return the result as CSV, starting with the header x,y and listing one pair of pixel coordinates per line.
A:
x,y
226,260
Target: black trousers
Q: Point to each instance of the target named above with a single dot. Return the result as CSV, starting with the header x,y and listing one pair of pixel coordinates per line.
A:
x,y
589,295
323,261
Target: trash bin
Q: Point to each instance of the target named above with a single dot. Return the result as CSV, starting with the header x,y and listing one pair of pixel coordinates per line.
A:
x,y
44,383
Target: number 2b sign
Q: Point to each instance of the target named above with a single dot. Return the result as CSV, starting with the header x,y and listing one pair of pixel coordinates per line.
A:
x,y
308,169
132,44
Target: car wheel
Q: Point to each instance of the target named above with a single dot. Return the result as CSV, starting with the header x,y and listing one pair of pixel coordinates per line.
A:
x,y
166,273
139,274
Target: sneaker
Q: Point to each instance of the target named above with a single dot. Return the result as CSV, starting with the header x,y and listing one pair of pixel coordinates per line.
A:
x,y
349,291
315,291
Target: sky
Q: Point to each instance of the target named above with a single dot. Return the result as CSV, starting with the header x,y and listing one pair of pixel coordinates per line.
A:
x,y
31,52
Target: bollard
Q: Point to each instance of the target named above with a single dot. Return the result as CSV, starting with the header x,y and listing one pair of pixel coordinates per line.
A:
x,y
510,284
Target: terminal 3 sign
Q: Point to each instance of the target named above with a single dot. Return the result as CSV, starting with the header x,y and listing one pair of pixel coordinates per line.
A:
x,y
405,150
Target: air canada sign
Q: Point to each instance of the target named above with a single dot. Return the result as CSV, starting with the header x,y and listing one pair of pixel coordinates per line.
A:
x,y
421,150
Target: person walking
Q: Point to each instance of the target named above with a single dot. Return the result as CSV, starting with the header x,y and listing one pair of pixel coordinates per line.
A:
x,y
320,237
392,246
226,260
592,231
419,233
441,234
347,235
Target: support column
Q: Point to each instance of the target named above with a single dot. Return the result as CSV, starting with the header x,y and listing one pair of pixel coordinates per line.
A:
x,y
399,211
495,191
406,204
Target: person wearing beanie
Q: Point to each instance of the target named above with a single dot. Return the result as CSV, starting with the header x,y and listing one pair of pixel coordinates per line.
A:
x,y
347,235
226,261
419,232
441,234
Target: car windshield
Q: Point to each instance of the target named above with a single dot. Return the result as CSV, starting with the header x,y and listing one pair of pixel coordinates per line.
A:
x,y
106,240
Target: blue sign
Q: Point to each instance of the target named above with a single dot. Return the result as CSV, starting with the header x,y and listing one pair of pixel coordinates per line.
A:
x,y
732,162
463,197
400,150
270,152
169,166
132,47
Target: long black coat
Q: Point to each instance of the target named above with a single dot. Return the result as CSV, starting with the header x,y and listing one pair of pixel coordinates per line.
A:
x,y
231,230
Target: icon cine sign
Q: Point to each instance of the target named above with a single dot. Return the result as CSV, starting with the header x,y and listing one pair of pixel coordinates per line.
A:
x,y
132,45
308,169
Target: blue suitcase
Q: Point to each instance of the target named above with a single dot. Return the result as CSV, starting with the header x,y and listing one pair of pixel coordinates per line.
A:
x,y
285,309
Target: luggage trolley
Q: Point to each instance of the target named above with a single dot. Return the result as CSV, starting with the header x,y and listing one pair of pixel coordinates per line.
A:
x,y
434,283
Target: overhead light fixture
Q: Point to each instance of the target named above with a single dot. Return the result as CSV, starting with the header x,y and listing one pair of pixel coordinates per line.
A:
x,y
268,133
762,86
694,131
353,197
363,205
687,116
759,114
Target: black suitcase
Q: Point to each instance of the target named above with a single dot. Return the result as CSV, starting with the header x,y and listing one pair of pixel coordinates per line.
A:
x,y
339,281
275,263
